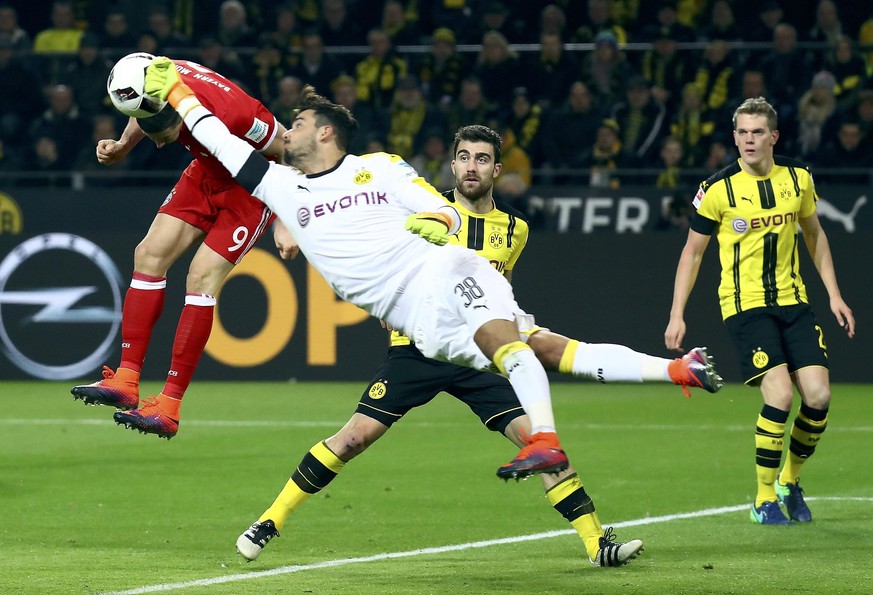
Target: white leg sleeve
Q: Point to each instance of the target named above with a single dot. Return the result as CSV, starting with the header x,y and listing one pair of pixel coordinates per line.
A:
x,y
616,363
531,385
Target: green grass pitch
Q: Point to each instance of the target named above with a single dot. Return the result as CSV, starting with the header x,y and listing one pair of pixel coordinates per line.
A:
x,y
88,507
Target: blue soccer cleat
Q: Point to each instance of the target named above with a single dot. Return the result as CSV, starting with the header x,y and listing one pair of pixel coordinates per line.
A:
x,y
791,495
769,513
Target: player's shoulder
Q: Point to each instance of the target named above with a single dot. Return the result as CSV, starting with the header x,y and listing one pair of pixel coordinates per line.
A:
x,y
789,162
510,210
724,173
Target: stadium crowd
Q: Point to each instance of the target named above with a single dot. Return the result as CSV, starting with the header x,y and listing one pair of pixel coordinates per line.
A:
x,y
598,92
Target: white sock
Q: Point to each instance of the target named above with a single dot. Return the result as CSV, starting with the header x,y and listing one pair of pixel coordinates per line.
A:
x,y
531,385
616,363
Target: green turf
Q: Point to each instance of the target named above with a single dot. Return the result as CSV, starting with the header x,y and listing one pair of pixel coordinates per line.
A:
x,y
88,507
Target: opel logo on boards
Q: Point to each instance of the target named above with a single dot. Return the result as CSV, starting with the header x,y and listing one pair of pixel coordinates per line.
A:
x,y
50,326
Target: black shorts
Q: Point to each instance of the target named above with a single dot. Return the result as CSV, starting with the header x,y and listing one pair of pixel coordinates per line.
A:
x,y
775,336
407,379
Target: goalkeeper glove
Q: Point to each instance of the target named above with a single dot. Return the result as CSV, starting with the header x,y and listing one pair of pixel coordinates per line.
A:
x,y
433,227
162,80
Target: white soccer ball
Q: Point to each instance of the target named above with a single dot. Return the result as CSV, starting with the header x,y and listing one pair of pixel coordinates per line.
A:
x,y
126,83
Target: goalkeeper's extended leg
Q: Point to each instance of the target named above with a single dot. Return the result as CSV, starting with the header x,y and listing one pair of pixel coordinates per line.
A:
x,y
606,362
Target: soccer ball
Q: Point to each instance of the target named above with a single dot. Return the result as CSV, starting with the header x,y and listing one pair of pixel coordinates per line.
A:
x,y
125,86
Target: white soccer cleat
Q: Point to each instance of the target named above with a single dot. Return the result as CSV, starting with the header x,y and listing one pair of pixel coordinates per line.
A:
x,y
251,543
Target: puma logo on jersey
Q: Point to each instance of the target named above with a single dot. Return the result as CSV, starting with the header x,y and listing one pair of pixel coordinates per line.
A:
x,y
748,199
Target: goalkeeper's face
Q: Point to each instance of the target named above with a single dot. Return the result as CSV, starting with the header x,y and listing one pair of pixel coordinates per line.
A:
x,y
475,170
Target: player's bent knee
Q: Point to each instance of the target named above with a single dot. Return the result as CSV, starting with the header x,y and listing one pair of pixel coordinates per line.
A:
x,y
506,356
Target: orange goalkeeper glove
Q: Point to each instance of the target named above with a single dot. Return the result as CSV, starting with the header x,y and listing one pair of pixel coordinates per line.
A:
x,y
433,227
162,80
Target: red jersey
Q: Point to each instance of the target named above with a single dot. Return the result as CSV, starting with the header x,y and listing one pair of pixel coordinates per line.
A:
x,y
244,116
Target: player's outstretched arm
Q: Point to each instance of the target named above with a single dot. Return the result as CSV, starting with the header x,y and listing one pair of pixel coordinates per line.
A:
x,y
686,275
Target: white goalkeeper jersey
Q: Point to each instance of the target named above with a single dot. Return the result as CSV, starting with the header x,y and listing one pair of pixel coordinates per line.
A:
x,y
349,222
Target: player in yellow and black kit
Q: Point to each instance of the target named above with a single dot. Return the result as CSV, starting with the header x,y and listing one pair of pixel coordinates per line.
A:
x,y
407,379
754,207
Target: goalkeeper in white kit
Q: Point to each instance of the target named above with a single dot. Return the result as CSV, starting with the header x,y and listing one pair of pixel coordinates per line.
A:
x,y
347,213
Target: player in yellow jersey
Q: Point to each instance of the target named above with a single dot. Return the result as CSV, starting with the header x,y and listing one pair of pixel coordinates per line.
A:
x,y
407,379
754,207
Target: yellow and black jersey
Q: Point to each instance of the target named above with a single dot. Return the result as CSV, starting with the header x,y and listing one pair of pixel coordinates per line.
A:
x,y
498,235
756,222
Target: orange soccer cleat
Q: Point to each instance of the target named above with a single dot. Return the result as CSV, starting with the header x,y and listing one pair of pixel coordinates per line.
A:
x,y
543,454
117,389
695,368
157,415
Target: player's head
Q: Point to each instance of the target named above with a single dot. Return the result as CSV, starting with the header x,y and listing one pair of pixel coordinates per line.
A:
x,y
476,161
163,127
328,113
755,133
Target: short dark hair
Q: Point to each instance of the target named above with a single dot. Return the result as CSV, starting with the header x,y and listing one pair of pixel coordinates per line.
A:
x,y
327,112
165,119
476,133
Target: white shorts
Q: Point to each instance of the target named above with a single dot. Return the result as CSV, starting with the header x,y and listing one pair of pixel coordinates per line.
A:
x,y
453,294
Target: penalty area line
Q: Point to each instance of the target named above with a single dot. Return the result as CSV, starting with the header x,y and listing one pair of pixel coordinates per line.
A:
x,y
436,550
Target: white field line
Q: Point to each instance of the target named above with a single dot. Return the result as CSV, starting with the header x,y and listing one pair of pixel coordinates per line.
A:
x,y
206,582
218,423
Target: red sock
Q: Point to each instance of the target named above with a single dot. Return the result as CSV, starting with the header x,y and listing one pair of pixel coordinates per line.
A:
x,y
195,324
142,307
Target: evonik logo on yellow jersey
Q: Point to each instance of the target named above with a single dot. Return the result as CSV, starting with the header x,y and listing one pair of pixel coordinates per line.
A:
x,y
741,225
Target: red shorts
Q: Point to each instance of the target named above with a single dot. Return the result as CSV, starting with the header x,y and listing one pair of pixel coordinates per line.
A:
x,y
232,219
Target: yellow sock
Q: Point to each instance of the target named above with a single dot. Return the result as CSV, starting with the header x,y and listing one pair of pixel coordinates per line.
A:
x,y
806,432
317,469
769,439
570,499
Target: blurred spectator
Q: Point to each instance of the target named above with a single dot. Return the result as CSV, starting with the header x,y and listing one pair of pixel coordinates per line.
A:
x,y
266,70
21,98
233,26
849,150
669,164
865,38
849,70
787,70
751,85
286,36
57,45
337,27
442,69
864,113
605,70
471,107
167,39
515,160
666,69
87,77
770,14
715,76
371,123
814,109
394,23
287,98
722,24
549,73
642,122
827,27
569,131
63,126
527,120
511,190
378,73
599,20
497,17
718,158
410,117
117,36
693,127
18,37
148,43
461,16
667,17
214,56
316,67
677,212
606,157
433,162
498,68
